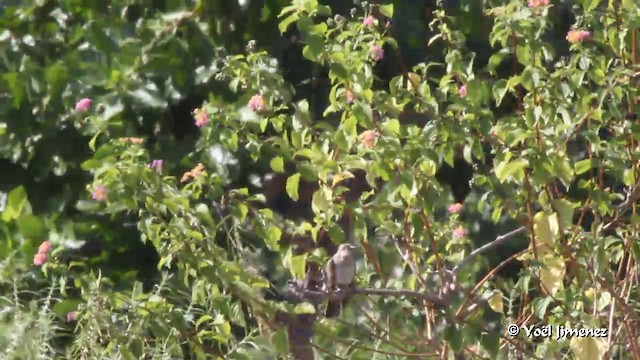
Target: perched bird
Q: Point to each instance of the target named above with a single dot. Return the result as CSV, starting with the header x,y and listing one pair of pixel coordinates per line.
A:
x,y
341,270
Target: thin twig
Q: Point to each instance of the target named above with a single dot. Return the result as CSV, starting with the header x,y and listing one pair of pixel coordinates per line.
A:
x,y
499,240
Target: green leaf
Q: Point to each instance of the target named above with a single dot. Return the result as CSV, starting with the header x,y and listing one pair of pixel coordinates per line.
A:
x,y
92,142
202,319
491,343
499,90
31,226
552,273
299,266
590,5
277,164
17,203
589,348
495,302
452,335
514,168
582,166
292,186
340,177
540,306
273,237
314,47
523,52
563,169
546,230
564,209
305,308
88,206
320,201
628,177
392,126
386,10
280,341
284,24
336,234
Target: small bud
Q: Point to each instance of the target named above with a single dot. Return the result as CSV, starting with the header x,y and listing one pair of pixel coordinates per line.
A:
x,y
251,46
350,96
353,12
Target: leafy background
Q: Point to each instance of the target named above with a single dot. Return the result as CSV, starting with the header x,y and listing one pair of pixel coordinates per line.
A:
x,y
541,143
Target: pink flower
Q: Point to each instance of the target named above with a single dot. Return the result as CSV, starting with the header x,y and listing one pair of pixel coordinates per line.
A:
x,y
132,140
257,103
39,259
201,116
459,232
156,164
369,21
377,53
350,96
45,247
83,105
536,3
100,193
368,138
462,91
575,36
455,208
71,316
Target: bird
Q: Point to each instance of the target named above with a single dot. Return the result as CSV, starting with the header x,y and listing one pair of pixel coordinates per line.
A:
x,y
340,270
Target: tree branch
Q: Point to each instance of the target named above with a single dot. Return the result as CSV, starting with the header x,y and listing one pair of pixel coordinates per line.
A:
x,y
499,240
319,296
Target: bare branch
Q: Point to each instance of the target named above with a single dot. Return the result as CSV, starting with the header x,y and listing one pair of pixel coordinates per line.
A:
x,y
430,298
499,240
319,296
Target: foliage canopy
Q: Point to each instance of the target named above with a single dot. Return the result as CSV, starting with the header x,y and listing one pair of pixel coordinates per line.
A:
x,y
171,189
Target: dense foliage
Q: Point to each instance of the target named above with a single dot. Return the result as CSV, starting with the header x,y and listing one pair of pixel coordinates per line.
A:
x,y
174,176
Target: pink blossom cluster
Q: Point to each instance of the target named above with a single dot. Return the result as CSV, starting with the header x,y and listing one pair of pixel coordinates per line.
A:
x,y
43,251
83,105
201,117
257,104
455,208
462,91
377,53
536,3
459,232
369,21
99,193
576,36
368,138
